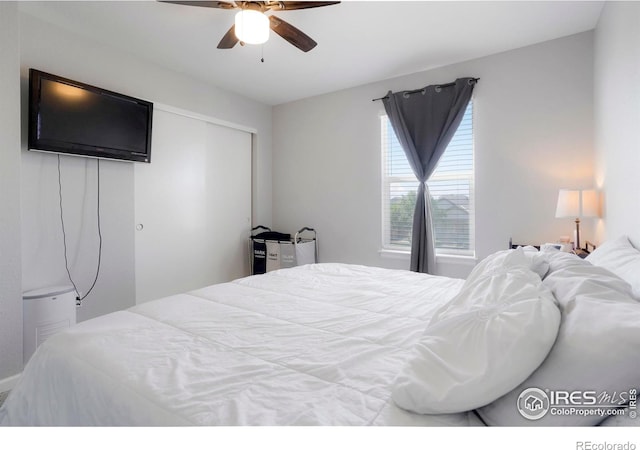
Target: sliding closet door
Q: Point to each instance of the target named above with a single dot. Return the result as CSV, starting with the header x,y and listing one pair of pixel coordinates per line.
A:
x,y
193,207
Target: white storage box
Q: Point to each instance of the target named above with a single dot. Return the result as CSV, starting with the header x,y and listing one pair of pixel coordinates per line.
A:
x,y
46,312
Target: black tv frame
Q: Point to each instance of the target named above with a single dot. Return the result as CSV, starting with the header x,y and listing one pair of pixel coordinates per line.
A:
x,y
35,143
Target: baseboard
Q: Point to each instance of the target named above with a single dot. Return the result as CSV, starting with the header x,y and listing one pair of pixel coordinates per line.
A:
x,y
8,383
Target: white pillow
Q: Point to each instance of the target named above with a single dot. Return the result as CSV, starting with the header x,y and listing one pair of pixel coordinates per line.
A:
x,y
596,349
528,257
483,343
572,277
621,258
497,263
537,260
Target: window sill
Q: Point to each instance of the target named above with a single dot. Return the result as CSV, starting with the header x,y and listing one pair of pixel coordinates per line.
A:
x,y
440,258
467,260
395,254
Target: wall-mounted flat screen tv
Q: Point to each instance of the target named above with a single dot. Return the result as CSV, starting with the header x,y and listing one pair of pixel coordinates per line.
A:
x,y
70,117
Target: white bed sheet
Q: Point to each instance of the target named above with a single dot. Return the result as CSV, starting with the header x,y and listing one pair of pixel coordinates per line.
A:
x,y
312,345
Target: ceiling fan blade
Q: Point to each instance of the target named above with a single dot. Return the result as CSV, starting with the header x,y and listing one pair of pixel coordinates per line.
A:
x,y
205,4
291,34
229,40
288,6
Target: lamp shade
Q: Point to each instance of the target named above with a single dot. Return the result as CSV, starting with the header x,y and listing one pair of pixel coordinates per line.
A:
x,y
252,27
578,203
568,203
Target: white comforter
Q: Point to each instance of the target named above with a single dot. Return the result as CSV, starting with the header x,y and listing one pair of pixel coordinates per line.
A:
x,y
313,345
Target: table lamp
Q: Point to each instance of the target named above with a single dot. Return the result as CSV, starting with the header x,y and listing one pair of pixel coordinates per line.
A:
x,y
577,203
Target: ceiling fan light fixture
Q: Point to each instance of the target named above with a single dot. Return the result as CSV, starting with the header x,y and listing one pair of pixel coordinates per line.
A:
x,y
252,27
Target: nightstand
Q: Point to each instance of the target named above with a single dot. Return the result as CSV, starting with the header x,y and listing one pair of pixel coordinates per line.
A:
x,y
581,253
584,252
512,245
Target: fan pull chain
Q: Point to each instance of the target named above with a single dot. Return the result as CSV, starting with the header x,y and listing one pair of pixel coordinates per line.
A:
x,y
262,53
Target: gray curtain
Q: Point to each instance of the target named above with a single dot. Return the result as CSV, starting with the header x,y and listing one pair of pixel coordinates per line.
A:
x,y
424,121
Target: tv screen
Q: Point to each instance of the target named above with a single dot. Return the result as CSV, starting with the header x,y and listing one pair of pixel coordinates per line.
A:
x,y
70,117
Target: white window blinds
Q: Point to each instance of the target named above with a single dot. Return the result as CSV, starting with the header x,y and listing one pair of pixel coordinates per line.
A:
x,y
451,187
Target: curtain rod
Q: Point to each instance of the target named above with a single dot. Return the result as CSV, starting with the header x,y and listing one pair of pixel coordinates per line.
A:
x,y
475,80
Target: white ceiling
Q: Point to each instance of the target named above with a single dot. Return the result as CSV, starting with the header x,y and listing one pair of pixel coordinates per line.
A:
x,y
358,41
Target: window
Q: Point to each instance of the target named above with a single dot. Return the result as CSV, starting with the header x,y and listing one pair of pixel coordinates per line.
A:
x,y
451,187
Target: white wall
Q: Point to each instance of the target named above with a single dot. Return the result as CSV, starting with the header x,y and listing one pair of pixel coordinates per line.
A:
x,y
617,112
10,253
533,135
46,47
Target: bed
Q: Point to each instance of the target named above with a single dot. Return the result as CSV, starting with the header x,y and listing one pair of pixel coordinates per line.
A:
x,y
338,344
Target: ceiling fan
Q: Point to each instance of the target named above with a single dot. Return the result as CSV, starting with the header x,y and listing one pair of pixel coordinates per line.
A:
x,y
252,24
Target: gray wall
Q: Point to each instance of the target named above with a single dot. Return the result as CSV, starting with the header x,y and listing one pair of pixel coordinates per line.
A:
x,y
533,135
10,253
46,47
29,42
617,112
